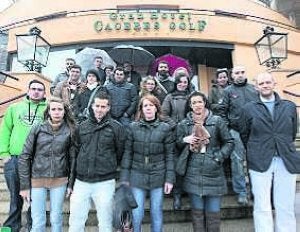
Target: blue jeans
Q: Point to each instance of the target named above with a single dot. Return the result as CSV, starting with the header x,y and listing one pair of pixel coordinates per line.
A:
x,y
156,208
16,202
237,158
210,204
102,194
38,208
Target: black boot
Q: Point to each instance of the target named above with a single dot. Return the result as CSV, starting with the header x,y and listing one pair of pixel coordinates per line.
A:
x,y
198,220
213,222
177,201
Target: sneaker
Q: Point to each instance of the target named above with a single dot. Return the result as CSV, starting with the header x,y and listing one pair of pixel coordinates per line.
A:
x,y
242,200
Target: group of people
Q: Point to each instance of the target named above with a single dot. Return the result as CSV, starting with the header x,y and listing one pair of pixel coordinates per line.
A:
x,y
72,145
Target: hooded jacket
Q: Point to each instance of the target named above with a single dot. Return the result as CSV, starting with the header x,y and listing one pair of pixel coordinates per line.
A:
x,y
16,124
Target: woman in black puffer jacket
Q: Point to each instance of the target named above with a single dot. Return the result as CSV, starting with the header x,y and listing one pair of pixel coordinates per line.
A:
x,y
47,163
207,140
147,164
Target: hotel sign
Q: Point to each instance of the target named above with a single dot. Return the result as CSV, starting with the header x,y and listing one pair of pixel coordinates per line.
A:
x,y
150,21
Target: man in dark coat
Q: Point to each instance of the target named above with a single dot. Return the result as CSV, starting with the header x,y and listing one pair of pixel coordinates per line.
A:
x,y
124,97
268,130
100,147
235,97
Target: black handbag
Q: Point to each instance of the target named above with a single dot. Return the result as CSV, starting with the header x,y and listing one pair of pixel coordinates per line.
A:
x,y
182,161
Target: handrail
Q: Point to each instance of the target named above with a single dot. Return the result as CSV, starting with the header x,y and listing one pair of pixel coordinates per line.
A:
x,y
8,75
13,99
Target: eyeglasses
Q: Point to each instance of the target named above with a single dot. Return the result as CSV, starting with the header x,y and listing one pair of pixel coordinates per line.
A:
x,y
37,89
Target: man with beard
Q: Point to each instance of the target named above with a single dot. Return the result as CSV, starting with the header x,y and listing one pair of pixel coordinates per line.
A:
x,y
164,85
235,97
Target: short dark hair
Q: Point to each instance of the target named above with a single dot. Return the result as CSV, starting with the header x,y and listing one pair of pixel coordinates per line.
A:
x,y
69,58
76,66
194,94
119,69
98,57
103,95
222,70
36,81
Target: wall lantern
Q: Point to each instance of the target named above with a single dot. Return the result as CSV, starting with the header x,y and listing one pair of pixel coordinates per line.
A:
x,y
33,50
271,48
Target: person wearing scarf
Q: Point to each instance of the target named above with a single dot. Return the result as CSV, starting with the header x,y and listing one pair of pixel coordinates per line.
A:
x,y
83,98
207,139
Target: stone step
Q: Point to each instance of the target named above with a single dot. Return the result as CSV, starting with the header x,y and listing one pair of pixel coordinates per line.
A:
x,y
241,225
230,209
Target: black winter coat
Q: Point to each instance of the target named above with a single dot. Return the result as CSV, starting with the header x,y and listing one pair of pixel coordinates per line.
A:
x,y
46,154
215,98
148,159
101,145
264,136
124,98
235,97
174,106
205,175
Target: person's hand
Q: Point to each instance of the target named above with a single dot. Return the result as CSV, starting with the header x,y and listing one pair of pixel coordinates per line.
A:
x,y
6,159
168,188
191,139
69,192
25,194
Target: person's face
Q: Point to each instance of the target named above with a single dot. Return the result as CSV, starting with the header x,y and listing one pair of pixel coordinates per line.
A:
x,y
56,112
150,85
222,79
100,108
183,84
36,92
149,110
91,78
238,74
98,62
163,69
119,76
127,67
108,72
265,85
69,63
197,104
75,74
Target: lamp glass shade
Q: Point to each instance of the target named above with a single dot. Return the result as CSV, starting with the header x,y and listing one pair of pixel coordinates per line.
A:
x,y
272,46
41,51
26,47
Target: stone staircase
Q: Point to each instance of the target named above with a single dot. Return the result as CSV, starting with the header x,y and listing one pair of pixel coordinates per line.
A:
x,y
235,218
